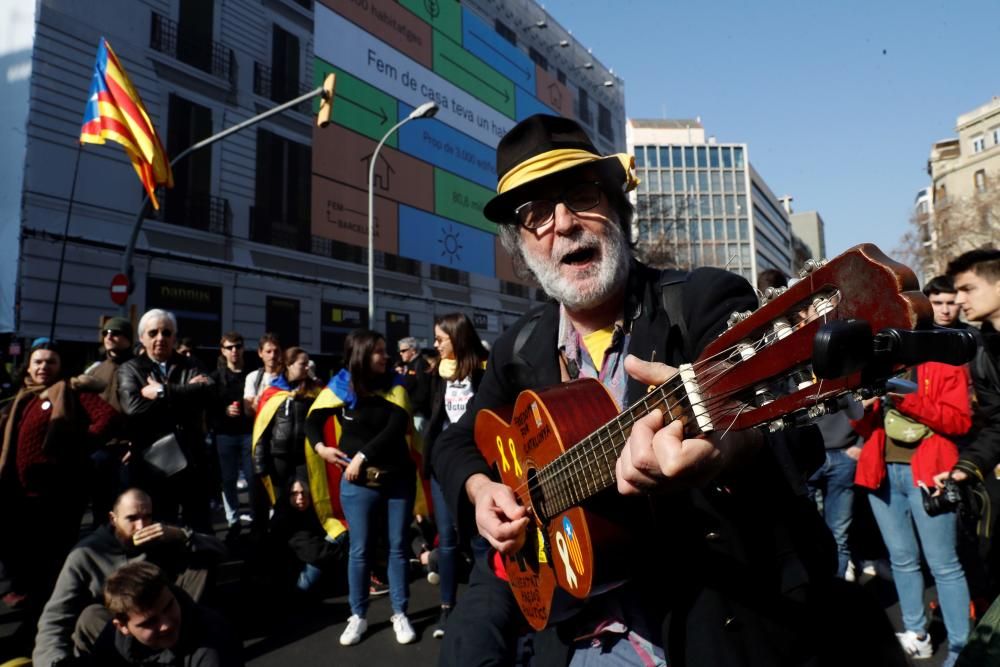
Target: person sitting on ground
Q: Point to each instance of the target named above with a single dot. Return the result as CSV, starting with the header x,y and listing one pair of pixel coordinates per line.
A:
x,y
296,531
74,615
154,623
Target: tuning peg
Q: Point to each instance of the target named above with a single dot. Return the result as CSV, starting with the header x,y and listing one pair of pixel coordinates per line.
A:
x,y
736,318
810,266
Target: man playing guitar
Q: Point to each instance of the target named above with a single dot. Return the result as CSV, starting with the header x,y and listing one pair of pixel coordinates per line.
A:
x,y
732,565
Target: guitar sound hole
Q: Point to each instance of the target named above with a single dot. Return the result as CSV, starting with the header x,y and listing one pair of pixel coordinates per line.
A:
x,y
537,495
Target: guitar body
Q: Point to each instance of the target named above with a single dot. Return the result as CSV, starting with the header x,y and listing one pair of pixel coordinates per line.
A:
x,y
582,551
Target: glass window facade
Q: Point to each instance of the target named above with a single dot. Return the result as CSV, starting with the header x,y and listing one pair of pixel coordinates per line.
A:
x,y
695,197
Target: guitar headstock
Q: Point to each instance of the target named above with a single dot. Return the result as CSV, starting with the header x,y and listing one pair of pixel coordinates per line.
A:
x,y
761,367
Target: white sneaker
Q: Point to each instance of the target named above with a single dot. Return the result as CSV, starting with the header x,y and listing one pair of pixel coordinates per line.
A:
x,y
433,578
404,631
356,627
915,647
849,575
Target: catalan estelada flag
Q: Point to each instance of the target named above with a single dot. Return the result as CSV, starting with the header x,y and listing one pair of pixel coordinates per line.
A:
x,y
115,111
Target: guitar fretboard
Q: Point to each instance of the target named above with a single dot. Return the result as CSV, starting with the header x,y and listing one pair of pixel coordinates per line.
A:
x,y
588,468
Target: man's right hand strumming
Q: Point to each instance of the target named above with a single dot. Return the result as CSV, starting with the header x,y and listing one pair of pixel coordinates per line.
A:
x,y
499,517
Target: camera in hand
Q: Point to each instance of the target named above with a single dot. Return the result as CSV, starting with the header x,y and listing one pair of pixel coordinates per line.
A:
x,y
946,501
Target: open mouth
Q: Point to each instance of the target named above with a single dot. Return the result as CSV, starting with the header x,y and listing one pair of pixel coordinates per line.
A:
x,y
580,257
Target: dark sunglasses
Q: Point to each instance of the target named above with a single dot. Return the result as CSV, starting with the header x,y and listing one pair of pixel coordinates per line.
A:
x,y
234,346
166,333
112,332
540,212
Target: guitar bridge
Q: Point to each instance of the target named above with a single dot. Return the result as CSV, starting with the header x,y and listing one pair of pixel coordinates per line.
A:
x,y
690,381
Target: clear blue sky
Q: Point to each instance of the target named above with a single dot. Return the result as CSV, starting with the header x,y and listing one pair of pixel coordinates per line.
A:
x,y
838,100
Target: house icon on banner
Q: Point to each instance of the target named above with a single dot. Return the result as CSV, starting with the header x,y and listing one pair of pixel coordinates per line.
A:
x,y
383,171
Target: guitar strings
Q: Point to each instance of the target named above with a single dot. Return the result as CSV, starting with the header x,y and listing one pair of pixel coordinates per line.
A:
x,y
555,470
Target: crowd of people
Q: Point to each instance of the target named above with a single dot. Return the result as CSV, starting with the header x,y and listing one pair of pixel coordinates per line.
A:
x,y
374,474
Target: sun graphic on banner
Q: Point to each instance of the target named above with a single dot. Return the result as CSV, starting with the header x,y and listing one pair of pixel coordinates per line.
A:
x,y
450,246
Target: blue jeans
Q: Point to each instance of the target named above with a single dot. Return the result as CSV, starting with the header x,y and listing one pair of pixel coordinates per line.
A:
x,y
359,503
834,484
897,506
447,545
234,456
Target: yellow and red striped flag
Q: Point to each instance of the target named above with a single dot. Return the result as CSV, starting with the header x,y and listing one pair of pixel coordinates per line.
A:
x,y
115,111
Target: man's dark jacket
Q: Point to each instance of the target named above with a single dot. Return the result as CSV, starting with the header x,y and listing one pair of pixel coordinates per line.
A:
x,y
984,453
181,410
739,571
206,641
417,382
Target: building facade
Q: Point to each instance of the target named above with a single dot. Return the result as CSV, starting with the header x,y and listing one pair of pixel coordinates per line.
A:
x,y
702,203
267,229
963,209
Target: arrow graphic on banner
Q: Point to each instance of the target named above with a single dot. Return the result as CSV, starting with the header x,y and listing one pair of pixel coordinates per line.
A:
x,y
381,114
526,73
506,97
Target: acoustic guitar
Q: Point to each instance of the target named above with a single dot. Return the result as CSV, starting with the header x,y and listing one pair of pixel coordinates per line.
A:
x,y
557,447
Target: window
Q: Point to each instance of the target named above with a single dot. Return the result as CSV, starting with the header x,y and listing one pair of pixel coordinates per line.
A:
x,y
738,158
284,65
996,136
727,157
653,162
980,180
282,198
664,157
505,32
583,107
604,123
538,59
448,275
978,143
665,182
640,157
561,76
702,158
713,156
194,33
703,181
675,157
187,203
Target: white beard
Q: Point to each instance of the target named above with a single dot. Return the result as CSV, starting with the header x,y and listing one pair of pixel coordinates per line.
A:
x,y
598,282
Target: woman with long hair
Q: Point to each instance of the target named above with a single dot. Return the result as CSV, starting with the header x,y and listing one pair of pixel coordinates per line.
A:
x,y
460,369
369,443
49,431
279,431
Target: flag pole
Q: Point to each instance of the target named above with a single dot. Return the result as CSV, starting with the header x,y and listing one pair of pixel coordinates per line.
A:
x,y
62,254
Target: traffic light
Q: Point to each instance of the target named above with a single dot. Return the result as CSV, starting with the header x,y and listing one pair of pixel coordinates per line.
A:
x,y
326,104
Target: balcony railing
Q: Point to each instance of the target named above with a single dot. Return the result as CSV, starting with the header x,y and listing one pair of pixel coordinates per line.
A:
x,y
292,235
207,55
200,211
265,86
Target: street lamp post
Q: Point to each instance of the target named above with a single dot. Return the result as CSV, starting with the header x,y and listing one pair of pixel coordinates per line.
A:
x,y
425,110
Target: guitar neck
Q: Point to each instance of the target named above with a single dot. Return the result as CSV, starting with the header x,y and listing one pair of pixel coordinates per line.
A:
x,y
588,468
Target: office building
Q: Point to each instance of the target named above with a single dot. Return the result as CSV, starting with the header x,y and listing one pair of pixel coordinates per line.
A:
x,y
964,207
701,202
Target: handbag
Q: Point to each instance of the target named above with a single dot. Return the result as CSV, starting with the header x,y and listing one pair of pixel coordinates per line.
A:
x,y
903,429
375,477
165,456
